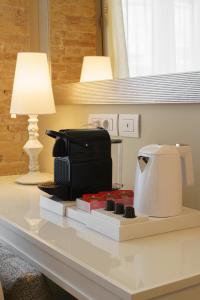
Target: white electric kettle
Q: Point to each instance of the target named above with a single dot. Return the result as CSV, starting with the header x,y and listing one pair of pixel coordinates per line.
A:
x,y
160,172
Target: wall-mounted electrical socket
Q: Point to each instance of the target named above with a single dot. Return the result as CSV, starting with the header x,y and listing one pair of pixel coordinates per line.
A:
x,y
107,121
129,125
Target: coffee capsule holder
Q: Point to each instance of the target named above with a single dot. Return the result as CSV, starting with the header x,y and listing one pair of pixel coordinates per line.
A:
x,y
120,228
114,225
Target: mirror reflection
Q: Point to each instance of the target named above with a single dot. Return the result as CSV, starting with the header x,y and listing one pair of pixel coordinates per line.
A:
x,y
150,37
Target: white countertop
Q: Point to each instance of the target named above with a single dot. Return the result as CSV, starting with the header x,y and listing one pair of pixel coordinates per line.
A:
x,y
149,264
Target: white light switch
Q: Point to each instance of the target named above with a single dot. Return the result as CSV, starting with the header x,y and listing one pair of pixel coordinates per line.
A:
x,y
129,125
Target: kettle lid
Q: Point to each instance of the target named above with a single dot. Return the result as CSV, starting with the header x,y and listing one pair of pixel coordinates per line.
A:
x,y
156,149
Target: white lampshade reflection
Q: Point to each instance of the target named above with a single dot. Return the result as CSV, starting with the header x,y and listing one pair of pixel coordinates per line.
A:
x,y
96,68
32,90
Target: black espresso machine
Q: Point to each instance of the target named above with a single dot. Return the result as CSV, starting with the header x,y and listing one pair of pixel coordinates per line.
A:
x,y
82,163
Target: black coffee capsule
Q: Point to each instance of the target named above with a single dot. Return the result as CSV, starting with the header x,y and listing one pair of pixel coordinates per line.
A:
x,y
110,205
119,209
129,212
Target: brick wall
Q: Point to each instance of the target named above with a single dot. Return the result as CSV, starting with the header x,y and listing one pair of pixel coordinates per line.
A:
x,y
73,35
14,37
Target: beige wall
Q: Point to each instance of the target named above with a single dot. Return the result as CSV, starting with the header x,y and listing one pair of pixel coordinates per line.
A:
x,y
159,124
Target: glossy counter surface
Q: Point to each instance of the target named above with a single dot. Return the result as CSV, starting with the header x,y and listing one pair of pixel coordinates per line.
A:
x,y
149,266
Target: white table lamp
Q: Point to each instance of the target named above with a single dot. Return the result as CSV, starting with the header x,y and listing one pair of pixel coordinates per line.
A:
x,y
96,68
32,95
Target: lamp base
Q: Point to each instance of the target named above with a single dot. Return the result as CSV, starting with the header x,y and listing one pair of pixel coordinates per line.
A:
x,y
34,178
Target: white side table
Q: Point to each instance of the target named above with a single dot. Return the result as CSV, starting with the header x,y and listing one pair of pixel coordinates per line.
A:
x,y
91,266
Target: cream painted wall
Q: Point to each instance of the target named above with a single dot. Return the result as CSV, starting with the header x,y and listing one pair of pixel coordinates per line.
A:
x,y
163,123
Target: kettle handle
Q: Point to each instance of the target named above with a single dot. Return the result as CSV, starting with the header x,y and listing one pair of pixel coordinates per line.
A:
x,y
185,152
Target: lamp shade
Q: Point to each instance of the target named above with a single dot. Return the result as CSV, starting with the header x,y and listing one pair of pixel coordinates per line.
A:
x,y
32,91
96,68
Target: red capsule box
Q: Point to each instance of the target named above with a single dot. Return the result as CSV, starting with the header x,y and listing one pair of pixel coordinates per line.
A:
x,y
90,201
125,197
95,201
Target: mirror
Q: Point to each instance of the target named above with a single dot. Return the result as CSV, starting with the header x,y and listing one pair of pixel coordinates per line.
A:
x,y
74,34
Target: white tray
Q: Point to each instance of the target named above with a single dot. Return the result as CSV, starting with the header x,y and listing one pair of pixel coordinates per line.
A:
x,y
58,207
121,229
